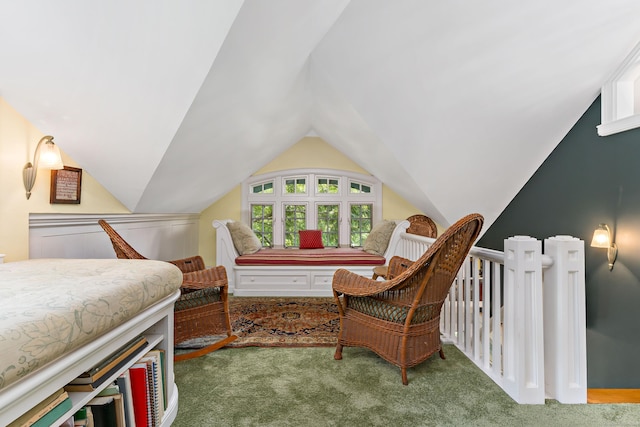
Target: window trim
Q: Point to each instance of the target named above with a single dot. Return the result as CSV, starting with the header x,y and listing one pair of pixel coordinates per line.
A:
x,y
344,198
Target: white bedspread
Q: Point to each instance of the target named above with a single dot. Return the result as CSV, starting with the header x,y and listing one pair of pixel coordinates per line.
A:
x,y
49,307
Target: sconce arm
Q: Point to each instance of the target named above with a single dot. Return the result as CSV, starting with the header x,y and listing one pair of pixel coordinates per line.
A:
x,y
30,170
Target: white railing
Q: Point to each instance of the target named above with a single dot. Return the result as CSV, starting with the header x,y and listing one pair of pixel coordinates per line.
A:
x,y
531,343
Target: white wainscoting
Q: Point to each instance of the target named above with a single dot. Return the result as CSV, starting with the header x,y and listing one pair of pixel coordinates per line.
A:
x,y
155,236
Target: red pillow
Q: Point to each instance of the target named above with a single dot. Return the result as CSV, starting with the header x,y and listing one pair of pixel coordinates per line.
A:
x,y
311,239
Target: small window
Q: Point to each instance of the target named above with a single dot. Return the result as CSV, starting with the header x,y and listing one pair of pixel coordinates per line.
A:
x,y
361,223
295,186
328,186
262,223
357,187
264,188
295,219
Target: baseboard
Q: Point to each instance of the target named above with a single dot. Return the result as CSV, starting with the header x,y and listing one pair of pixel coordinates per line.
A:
x,y
613,395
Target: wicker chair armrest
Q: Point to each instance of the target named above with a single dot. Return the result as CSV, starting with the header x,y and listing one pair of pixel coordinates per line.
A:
x,y
348,283
187,265
397,265
215,277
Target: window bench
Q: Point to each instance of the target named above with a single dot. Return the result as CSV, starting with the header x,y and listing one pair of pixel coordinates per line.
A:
x,y
294,272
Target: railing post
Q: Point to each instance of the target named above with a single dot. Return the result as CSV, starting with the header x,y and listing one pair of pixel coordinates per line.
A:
x,y
565,326
523,360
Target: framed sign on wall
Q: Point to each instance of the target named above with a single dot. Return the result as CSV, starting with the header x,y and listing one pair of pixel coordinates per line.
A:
x,y
66,185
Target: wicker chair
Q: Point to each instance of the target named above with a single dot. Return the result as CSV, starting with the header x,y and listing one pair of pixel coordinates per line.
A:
x,y
419,224
399,319
203,308
422,225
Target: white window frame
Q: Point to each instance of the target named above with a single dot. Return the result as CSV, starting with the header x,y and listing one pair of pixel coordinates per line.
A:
x,y
344,198
620,101
284,179
330,203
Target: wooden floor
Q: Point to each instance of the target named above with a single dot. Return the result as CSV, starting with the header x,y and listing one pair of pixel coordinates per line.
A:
x,y
613,395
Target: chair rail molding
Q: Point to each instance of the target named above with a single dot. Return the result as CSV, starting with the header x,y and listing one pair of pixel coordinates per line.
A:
x,y
158,236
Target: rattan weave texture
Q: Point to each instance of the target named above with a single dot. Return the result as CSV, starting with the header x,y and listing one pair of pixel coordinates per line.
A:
x,y
399,318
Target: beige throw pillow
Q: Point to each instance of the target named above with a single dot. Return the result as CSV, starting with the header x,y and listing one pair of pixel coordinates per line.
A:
x,y
244,239
379,237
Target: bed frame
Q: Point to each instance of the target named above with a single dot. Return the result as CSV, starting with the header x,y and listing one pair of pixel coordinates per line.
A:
x,y
155,322
283,280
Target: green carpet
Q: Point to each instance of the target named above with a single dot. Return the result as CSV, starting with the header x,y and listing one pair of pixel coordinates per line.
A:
x,y
306,387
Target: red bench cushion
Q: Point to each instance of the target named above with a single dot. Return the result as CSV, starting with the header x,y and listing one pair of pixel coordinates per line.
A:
x,y
328,256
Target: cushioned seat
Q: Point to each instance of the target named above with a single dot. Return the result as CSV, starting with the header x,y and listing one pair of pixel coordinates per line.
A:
x,y
198,298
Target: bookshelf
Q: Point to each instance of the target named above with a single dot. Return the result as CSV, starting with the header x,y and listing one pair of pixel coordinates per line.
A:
x,y
79,399
155,323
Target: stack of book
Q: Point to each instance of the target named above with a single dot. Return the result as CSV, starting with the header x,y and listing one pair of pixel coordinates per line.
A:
x,y
105,410
137,398
46,412
148,389
97,376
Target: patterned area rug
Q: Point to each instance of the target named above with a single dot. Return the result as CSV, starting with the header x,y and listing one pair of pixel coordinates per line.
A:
x,y
284,321
278,322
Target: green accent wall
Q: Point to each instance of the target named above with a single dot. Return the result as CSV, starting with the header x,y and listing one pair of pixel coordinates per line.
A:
x,y
585,181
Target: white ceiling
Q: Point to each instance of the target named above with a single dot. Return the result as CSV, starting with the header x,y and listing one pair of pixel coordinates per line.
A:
x,y
170,104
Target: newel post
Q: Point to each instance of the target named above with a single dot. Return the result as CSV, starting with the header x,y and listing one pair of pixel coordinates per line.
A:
x,y
523,359
565,326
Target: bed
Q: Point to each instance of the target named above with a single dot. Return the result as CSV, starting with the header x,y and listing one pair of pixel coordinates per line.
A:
x,y
60,317
294,272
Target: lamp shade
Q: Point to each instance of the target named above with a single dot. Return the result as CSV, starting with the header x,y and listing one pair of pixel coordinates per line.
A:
x,y
601,238
50,156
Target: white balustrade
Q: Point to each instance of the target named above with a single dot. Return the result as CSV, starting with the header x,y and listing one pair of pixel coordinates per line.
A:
x,y
565,321
519,315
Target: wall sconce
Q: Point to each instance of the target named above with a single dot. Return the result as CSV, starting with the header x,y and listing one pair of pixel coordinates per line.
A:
x,y
47,155
602,239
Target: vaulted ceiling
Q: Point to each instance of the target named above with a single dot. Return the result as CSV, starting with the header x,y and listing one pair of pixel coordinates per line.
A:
x,y
170,104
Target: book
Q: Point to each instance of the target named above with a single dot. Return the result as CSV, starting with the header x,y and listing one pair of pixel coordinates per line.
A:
x,y
84,417
103,378
156,388
110,390
104,411
81,417
108,411
120,415
107,364
163,369
124,385
41,409
53,415
139,392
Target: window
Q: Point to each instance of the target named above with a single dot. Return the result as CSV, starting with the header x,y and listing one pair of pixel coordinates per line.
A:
x,y
295,186
295,219
266,187
328,220
262,223
343,204
357,187
621,97
327,186
361,223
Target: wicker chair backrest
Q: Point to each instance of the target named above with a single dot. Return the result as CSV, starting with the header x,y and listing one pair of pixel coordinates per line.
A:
x,y
120,246
422,225
428,279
